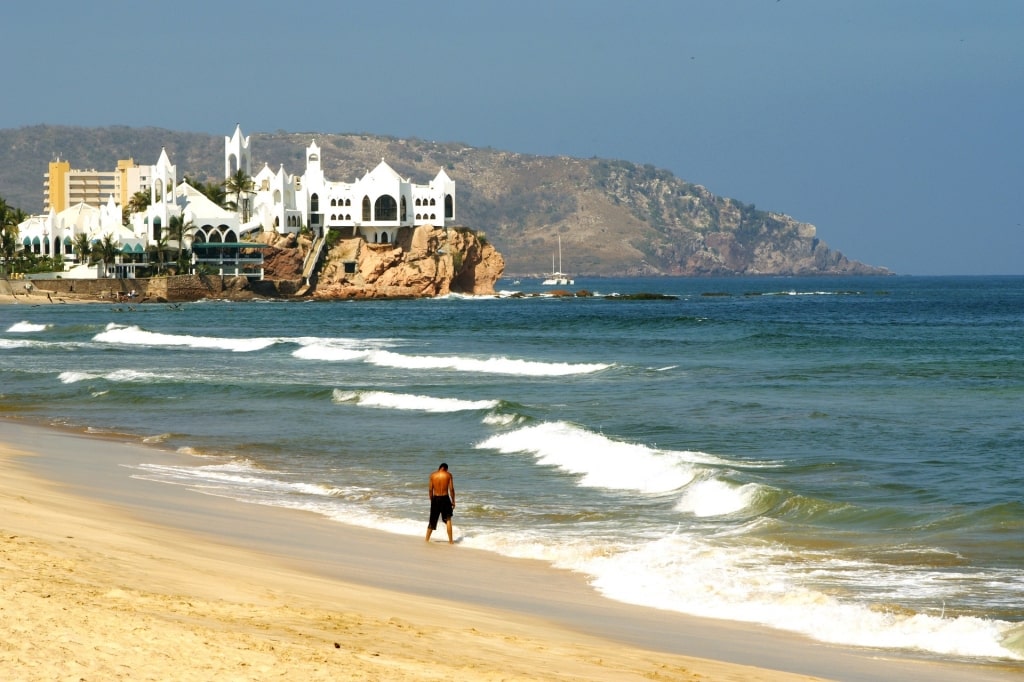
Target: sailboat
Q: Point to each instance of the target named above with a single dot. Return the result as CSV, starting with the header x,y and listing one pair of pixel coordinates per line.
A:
x,y
557,277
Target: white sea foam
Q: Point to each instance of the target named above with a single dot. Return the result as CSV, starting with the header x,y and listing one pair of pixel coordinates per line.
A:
x,y
333,350
600,461
231,477
492,365
761,585
403,401
118,376
75,377
375,353
159,438
714,497
241,481
135,336
24,327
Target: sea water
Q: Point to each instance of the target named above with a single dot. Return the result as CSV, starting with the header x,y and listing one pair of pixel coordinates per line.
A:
x,y
840,457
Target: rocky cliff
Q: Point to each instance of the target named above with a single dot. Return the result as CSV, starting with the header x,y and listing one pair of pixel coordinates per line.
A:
x,y
421,262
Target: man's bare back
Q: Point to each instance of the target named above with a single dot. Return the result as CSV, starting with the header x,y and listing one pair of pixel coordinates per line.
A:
x,y
441,484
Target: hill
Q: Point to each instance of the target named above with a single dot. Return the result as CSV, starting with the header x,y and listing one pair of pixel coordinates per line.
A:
x,y
614,217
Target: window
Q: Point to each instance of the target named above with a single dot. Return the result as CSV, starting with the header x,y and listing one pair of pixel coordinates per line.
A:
x,y
386,208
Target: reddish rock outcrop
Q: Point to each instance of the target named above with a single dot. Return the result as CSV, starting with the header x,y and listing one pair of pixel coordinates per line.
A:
x,y
422,262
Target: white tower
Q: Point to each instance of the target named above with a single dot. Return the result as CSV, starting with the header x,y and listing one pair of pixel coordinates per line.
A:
x,y
237,154
161,196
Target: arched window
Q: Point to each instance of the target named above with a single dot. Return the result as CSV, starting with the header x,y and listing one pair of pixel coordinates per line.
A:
x,y
404,210
348,202
433,202
314,203
449,206
383,237
277,221
156,228
366,209
386,208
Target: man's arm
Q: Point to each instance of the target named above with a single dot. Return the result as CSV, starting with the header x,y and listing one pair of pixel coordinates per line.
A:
x,y
451,488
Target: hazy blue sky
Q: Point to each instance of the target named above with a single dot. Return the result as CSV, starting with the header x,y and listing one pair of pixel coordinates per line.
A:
x,y
895,126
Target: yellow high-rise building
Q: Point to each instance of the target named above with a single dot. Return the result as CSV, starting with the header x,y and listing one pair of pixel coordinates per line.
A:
x,y
55,192
64,186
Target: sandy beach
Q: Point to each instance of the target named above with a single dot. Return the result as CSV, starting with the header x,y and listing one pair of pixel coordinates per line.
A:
x,y
108,577
15,293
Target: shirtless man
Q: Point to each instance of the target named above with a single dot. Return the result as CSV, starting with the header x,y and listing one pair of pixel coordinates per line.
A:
x,y
441,489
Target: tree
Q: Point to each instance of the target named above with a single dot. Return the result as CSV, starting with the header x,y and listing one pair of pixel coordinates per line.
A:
x,y
160,248
180,228
107,250
83,248
10,218
139,202
240,185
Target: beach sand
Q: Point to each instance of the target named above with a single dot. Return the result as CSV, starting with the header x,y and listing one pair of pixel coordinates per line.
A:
x,y
15,293
106,577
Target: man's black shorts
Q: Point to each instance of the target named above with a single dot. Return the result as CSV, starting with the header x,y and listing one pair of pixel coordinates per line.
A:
x,y
440,505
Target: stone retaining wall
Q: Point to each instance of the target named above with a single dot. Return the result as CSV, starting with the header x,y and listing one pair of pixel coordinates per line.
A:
x,y
173,288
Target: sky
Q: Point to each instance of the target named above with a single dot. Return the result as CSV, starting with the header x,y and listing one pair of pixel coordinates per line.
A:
x,y
894,126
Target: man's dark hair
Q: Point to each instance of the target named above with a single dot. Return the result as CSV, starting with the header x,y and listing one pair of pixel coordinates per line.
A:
x,y
443,466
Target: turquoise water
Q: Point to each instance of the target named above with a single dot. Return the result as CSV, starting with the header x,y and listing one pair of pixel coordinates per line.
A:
x,y
838,457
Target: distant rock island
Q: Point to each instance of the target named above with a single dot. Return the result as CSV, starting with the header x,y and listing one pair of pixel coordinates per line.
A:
x,y
615,218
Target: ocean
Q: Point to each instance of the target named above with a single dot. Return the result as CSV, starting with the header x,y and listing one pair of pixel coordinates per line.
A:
x,y
838,457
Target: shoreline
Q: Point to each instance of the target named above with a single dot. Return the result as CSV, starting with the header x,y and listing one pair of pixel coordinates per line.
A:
x,y
246,570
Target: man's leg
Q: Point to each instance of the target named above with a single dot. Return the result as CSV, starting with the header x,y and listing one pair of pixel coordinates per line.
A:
x,y
448,525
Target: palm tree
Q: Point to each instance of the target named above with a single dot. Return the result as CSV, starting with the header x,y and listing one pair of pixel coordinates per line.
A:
x,y
9,220
179,229
83,248
139,202
160,248
107,250
241,185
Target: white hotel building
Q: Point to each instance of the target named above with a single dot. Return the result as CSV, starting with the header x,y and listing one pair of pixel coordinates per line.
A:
x,y
374,207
